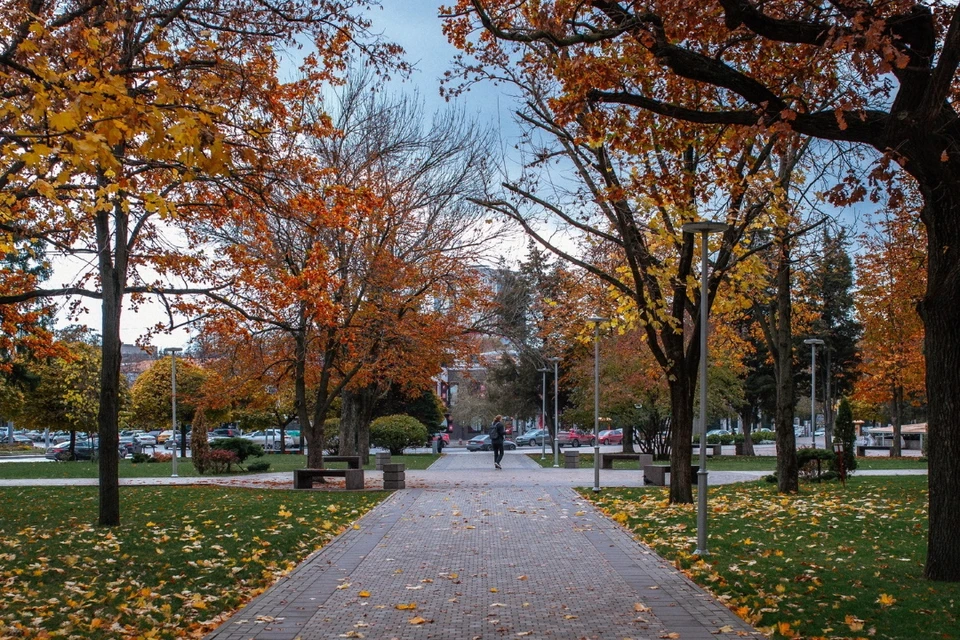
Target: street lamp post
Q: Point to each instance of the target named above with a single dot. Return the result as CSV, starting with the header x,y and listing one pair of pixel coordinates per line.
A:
x,y
704,228
173,401
596,320
556,413
813,342
543,416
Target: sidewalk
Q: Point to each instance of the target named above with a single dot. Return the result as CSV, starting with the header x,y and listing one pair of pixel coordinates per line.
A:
x,y
475,553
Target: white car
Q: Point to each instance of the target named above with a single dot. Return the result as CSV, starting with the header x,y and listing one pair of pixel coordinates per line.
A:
x,y
270,439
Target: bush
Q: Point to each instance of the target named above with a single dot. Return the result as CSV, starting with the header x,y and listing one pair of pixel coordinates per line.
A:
x,y
162,457
764,435
258,466
844,431
331,436
137,458
807,462
397,432
240,447
220,460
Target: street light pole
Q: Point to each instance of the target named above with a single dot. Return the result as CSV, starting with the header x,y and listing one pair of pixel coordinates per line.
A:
x,y
543,416
173,401
596,320
813,342
556,413
704,229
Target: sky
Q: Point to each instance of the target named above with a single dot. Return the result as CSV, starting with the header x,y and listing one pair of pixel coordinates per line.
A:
x,y
415,25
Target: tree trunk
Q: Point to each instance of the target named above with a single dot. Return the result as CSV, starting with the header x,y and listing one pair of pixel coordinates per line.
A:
x,y
781,336
940,310
746,447
351,409
681,403
895,450
112,277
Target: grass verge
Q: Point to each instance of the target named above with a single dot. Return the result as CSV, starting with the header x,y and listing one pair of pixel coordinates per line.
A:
x,y
85,469
746,463
181,559
832,562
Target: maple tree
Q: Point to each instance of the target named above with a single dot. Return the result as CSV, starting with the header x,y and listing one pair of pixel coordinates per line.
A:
x,y
357,278
891,280
625,205
879,74
150,401
117,116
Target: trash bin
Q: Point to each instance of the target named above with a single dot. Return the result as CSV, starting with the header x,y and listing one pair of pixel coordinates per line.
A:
x,y
436,444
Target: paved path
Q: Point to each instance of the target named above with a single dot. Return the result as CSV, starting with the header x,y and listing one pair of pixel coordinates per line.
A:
x,y
485,554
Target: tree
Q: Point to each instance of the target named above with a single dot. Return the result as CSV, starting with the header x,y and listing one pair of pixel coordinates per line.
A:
x,y
846,433
879,74
358,278
891,280
831,298
119,118
150,396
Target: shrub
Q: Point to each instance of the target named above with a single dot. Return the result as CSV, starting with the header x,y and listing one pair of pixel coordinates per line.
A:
x,y
241,448
807,462
844,431
137,458
220,460
258,466
397,432
764,435
161,457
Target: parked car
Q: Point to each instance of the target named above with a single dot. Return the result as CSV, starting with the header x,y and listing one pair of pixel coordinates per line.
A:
x,y
229,432
174,441
269,439
573,438
482,443
164,435
82,450
15,439
144,439
533,438
611,436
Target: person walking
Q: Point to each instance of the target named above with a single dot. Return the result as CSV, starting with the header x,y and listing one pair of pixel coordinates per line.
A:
x,y
497,435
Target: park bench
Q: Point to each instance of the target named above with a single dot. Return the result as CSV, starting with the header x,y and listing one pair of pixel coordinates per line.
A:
x,y
643,459
353,474
656,474
863,448
712,449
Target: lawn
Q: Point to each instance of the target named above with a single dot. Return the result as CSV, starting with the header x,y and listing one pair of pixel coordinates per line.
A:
x,y
746,463
86,469
182,557
832,562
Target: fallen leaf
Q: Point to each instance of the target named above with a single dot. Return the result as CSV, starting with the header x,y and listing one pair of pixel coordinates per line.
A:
x,y
364,594
494,590
418,620
405,607
639,606
570,616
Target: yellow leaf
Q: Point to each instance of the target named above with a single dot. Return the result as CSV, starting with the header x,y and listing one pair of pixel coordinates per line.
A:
x,y
855,623
418,620
405,607
886,600
570,616
494,589
639,606
364,594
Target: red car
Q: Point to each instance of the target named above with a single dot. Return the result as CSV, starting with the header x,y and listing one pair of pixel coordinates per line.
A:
x,y
613,436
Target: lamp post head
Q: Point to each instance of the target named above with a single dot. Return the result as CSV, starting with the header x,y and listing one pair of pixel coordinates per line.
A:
x,y
543,370
173,350
554,359
704,226
597,319
813,341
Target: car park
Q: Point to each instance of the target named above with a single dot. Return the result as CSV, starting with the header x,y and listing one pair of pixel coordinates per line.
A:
x,y
573,438
15,439
533,438
482,443
227,432
611,436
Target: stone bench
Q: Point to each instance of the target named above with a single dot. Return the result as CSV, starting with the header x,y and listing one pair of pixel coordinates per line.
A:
x,y
304,478
656,474
712,449
643,459
571,459
863,448
394,476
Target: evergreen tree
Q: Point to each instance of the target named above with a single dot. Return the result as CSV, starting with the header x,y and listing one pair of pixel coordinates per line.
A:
x,y
843,430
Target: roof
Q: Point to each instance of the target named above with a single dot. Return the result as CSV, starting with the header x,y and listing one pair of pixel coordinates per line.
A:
x,y
920,427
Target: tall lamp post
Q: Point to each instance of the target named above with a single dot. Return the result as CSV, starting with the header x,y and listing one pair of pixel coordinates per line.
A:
x,y
543,416
813,342
704,228
173,400
556,413
596,320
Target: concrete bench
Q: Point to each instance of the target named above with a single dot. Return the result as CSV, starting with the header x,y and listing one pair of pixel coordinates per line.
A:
x,y
656,474
353,474
863,448
643,459
712,449
394,476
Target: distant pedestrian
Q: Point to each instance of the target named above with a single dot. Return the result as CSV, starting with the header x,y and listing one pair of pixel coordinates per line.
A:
x,y
497,435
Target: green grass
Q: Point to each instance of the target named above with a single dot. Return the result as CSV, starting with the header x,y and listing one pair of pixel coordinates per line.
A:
x,y
832,562
181,557
746,463
86,469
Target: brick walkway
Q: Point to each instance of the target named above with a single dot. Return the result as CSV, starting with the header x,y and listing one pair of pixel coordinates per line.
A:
x,y
488,554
